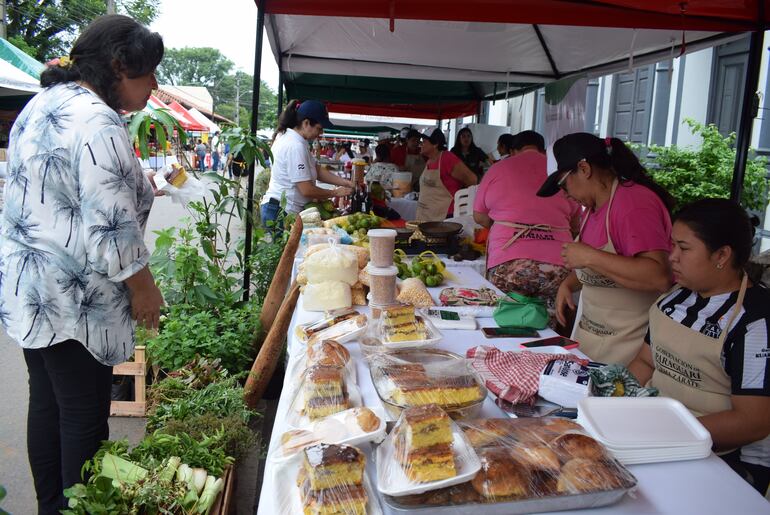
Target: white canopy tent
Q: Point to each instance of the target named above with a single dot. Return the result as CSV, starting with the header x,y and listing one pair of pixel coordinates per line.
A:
x,y
201,118
15,82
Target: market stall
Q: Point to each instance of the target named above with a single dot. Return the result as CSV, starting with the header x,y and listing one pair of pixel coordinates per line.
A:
x,y
697,486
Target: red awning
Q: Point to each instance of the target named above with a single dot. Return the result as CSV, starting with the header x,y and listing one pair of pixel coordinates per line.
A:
x,y
707,15
185,118
429,111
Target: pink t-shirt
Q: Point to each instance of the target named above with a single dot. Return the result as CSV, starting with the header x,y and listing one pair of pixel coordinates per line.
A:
x,y
508,193
639,222
448,161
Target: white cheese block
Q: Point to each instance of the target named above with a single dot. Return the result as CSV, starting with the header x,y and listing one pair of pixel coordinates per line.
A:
x,y
326,296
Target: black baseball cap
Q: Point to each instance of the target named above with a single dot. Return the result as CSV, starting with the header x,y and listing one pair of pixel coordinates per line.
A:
x,y
434,135
314,110
568,151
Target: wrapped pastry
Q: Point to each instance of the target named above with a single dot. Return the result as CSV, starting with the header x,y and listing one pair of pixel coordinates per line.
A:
x,y
327,353
342,332
358,295
306,331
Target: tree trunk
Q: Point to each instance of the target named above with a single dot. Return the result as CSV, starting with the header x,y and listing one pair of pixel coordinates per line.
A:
x,y
267,359
281,277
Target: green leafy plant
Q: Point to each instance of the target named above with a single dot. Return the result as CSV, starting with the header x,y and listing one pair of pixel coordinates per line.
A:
x,y
227,333
2,496
247,144
160,122
692,174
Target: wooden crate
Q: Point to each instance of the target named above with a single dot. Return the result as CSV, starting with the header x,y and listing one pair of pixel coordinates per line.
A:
x,y
137,369
223,503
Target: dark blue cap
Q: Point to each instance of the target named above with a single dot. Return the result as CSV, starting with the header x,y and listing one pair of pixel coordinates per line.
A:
x,y
314,110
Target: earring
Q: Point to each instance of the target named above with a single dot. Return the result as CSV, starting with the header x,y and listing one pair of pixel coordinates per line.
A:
x,y
719,266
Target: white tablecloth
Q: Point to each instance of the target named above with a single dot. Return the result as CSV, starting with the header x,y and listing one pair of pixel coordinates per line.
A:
x,y
698,487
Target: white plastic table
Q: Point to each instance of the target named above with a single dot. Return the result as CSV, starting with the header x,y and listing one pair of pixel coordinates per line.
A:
x,y
699,487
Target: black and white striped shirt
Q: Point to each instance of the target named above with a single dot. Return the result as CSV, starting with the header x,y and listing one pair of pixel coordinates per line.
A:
x,y
746,353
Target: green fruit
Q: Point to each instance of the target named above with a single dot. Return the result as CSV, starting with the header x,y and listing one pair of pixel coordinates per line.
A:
x,y
431,281
437,278
349,230
430,268
416,267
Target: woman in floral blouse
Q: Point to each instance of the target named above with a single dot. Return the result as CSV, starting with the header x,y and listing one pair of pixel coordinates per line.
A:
x,y
74,269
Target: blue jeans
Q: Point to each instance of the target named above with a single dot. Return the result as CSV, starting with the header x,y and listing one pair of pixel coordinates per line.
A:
x,y
215,161
271,212
202,162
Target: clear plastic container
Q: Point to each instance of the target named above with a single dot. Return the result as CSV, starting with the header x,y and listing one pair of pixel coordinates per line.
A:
x,y
382,243
382,284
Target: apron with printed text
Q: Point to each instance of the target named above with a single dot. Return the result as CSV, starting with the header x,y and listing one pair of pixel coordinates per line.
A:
x,y
435,198
614,319
688,364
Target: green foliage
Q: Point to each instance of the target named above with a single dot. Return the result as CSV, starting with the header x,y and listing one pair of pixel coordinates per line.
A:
x,y
692,174
237,438
201,66
247,144
207,452
236,90
264,260
227,333
154,125
47,29
97,497
212,277
2,496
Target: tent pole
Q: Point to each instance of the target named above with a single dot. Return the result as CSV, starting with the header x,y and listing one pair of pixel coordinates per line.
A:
x,y
748,113
254,126
280,93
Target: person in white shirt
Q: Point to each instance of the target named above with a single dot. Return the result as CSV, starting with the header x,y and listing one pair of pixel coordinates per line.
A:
x,y
364,151
295,171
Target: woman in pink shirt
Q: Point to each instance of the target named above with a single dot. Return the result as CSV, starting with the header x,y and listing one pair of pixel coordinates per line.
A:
x,y
527,232
620,259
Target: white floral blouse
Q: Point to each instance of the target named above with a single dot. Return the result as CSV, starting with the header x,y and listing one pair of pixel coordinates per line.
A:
x,y
76,205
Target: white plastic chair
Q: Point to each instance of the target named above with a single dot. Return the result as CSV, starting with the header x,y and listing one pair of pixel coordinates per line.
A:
x,y
464,201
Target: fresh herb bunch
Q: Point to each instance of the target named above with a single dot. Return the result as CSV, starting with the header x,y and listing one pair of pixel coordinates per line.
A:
x,y
206,452
227,333
237,437
98,496
220,399
692,174
264,260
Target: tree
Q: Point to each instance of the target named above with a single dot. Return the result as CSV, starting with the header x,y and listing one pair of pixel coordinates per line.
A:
x,y
47,28
199,66
226,100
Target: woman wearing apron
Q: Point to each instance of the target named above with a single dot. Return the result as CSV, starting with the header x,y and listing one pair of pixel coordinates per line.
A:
x,y
707,344
526,231
443,176
620,258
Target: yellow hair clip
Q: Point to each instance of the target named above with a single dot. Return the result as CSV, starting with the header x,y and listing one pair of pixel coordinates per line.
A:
x,y
65,62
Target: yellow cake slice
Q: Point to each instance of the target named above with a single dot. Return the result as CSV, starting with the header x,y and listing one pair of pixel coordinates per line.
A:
x,y
323,381
397,315
427,464
333,466
425,426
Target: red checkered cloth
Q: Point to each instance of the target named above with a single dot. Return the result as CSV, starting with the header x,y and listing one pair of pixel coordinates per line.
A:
x,y
513,376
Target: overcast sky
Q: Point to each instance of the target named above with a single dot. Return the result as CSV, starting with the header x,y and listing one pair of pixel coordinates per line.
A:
x,y
227,25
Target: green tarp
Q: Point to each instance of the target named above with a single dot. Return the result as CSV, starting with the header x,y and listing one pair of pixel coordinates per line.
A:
x,y
19,59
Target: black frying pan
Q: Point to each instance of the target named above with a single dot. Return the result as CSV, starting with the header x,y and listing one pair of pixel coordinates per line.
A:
x,y
443,230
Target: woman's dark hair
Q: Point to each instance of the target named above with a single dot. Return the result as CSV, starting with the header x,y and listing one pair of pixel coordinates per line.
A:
x,y
506,141
617,157
382,152
349,151
289,119
110,45
529,138
457,148
720,222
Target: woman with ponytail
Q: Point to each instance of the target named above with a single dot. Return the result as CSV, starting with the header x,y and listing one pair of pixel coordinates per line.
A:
x,y
619,260
707,343
73,258
295,171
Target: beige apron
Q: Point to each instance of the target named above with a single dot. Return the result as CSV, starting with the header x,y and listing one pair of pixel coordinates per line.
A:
x,y
435,199
688,364
614,319
414,163
522,230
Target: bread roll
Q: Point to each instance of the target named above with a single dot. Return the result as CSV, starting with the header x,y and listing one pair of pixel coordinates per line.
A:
x,y
572,445
582,475
500,476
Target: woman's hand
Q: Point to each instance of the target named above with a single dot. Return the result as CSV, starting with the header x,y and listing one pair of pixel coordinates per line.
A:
x,y
564,299
577,255
155,190
342,191
146,299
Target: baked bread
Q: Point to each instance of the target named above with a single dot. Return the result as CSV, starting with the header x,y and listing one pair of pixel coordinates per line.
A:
x,y
500,476
582,475
573,445
328,353
367,420
538,458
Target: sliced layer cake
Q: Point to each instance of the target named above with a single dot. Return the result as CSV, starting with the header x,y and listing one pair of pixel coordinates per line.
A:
x,y
324,391
424,444
331,480
399,324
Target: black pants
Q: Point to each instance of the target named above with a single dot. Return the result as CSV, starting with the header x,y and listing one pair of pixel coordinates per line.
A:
x,y
756,475
69,404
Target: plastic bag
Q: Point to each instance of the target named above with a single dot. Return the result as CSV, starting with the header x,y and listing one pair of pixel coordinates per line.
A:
x,y
517,310
400,328
323,391
326,296
334,263
535,460
409,378
564,382
424,451
191,189
305,331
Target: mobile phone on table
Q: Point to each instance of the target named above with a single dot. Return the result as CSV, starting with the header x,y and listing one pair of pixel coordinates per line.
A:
x,y
509,332
557,341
